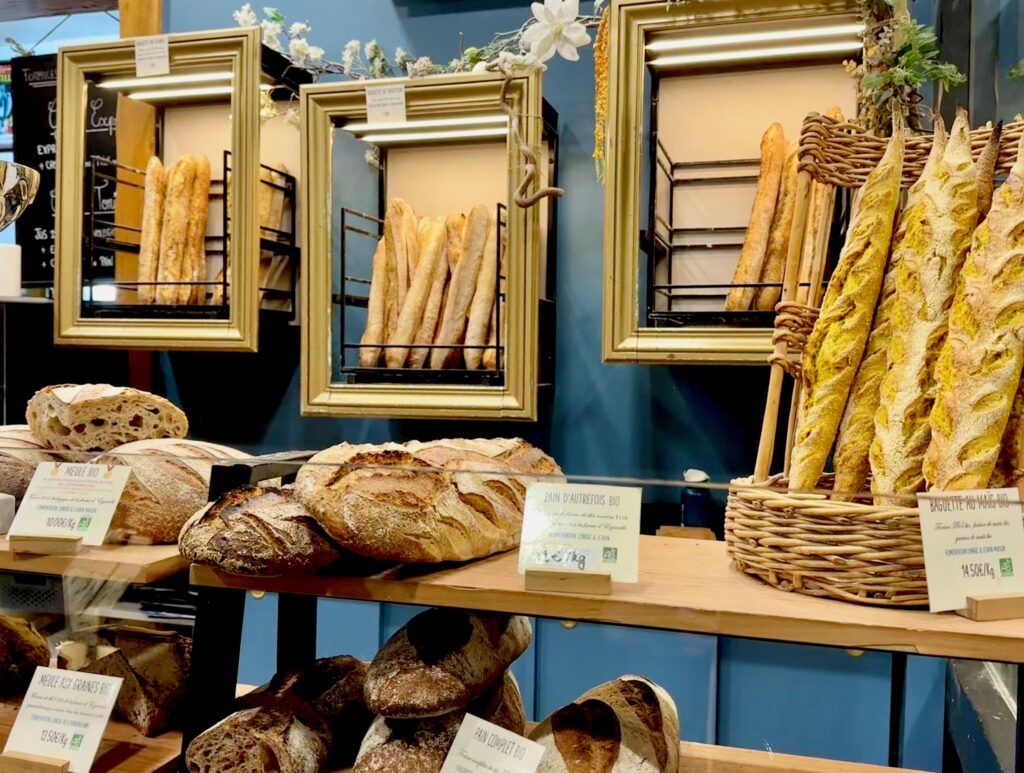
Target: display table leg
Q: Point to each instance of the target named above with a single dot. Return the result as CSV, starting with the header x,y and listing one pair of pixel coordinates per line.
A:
x,y
1018,760
897,692
296,631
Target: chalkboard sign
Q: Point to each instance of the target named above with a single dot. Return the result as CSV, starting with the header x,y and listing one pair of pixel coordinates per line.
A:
x,y
34,96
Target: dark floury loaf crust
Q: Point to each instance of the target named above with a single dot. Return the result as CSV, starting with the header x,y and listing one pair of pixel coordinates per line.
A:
x,y
628,725
98,417
20,453
22,649
260,740
468,504
421,745
257,530
441,660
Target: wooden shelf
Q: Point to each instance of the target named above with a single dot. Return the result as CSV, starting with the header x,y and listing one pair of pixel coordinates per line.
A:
x,y
123,749
685,585
121,563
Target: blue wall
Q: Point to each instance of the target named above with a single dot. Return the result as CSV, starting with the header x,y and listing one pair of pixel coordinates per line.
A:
x,y
606,420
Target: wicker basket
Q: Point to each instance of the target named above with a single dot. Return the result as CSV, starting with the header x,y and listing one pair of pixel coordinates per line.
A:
x,y
808,542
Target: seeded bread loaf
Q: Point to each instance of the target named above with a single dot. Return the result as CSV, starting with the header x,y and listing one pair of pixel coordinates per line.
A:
x,y
469,506
628,725
836,343
779,235
931,257
98,417
20,453
169,481
22,649
979,367
259,530
441,660
261,740
421,745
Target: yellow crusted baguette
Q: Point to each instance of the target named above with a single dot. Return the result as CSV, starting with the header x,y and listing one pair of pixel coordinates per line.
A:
x,y
778,239
836,344
937,238
748,270
1009,463
979,367
987,169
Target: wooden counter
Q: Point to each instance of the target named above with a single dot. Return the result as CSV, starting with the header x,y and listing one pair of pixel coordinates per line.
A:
x,y
685,585
120,563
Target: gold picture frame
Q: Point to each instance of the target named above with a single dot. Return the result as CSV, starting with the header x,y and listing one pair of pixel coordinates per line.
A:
x,y
322,107
239,49
623,338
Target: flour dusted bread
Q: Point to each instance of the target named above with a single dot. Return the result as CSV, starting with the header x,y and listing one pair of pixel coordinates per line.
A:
x,y
98,417
373,335
432,250
194,260
174,232
979,367
779,235
20,453
468,506
441,660
421,745
152,227
627,725
261,530
169,482
481,310
22,649
261,740
836,343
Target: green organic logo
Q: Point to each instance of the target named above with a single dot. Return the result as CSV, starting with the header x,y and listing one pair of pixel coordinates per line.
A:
x,y
84,524
1006,567
76,740
610,555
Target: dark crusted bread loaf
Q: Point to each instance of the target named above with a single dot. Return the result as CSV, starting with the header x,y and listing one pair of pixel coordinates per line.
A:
x,y
627,725
257,530
260,740
466,503
441,660
98,417
22,648
421,745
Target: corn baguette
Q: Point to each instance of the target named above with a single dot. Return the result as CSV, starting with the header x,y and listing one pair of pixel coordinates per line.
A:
x,y
373,335
152,225
837,341
1008,467
986,166
980,364
779,236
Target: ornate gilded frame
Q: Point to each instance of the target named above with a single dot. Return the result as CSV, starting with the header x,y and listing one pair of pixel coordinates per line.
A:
x,y
622,337
321,106
240,47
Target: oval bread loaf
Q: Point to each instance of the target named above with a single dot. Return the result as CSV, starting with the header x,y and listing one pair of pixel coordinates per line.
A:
x,y
22,649
466,503
20,453
441,660
627,725
98,417
261,740
257,530
169,482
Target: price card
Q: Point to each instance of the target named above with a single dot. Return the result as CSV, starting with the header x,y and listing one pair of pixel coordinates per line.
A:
x,y
485,747
152,56
71,500
63,716
581,528
973,545
385,104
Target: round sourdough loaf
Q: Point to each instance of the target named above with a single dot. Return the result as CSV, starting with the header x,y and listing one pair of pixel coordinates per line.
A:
x,y
627,725
257,741
99,417
445,500
441,660
257,530
22,649
20,453
170,480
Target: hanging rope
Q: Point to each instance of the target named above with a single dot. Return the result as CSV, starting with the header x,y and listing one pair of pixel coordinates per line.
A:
x,y
522,196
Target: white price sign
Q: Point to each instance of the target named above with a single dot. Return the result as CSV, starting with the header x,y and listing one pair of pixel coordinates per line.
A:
x,y
152,56
483,747
71,500
63,716
580,528
385,104
973,545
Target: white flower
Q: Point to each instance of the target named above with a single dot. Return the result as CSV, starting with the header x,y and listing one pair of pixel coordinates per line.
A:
x,y
293,117
271,33
371,49
316,54
298,49
556,30
401,57
348,56
420,67
526,60
245,16
268,109
298,29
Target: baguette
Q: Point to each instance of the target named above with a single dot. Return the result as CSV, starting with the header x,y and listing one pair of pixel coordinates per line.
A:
x,y
194,263
1008,468
152,225
482,308
778,239
836,343
463,284
431,313
857,427
175,227
748,270
455,224
932,251
491,353
987,170
373,335
397,222
411,316
979,367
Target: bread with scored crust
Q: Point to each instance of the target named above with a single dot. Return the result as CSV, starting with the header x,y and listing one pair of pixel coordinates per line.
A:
x,y
780,233
373,335
432,250
20,453
22,650
152,226
267,739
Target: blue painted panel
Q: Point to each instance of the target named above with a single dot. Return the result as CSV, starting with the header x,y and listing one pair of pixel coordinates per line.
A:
x,y
570,662
924,713
258,658
347,628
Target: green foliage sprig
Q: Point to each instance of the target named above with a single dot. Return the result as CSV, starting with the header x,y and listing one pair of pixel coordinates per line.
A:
x,y
915,63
